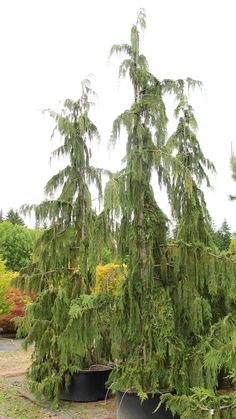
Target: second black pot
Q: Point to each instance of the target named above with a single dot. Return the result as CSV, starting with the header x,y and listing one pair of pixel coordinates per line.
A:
x,y
129,406
87,386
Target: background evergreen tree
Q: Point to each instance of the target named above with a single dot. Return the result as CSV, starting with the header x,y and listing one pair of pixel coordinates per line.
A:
x,y
1,216
14,217
223,237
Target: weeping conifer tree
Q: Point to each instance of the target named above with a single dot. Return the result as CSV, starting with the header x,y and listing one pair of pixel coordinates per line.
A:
x,y
204,294
63,321
187,174
144,322
175,296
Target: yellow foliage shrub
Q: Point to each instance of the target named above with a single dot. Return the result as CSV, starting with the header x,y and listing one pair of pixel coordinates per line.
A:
x,y
109,277
5,283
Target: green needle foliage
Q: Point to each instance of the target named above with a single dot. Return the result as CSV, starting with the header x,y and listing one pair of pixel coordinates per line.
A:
x,y
205,290
144,322
187,174
175,294
65,320
202,404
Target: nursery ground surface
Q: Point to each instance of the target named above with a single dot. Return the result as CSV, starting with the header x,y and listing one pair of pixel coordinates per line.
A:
x,y
17,403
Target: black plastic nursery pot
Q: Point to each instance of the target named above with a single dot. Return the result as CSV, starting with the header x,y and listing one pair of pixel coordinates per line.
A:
x,y
87,386
129,406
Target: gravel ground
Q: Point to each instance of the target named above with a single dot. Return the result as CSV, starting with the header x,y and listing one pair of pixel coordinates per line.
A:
x,y
17,403
10,345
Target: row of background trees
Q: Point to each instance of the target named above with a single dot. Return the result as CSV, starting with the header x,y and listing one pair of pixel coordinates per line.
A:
x,y
12,216
17,240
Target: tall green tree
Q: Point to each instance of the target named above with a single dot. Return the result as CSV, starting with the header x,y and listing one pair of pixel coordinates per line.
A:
x,y
62,321
144,317
174,298
199,305
70,214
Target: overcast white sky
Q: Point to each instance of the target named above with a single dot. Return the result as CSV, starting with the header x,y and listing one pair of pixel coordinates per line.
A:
x,y
48,46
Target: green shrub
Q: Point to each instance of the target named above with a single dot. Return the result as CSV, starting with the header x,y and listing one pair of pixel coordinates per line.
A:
x,y
16,244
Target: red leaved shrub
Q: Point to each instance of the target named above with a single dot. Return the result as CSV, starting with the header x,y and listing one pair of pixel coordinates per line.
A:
x,y
17,302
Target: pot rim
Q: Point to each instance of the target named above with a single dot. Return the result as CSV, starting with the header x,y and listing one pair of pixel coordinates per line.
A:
x,y
87,371
149,393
